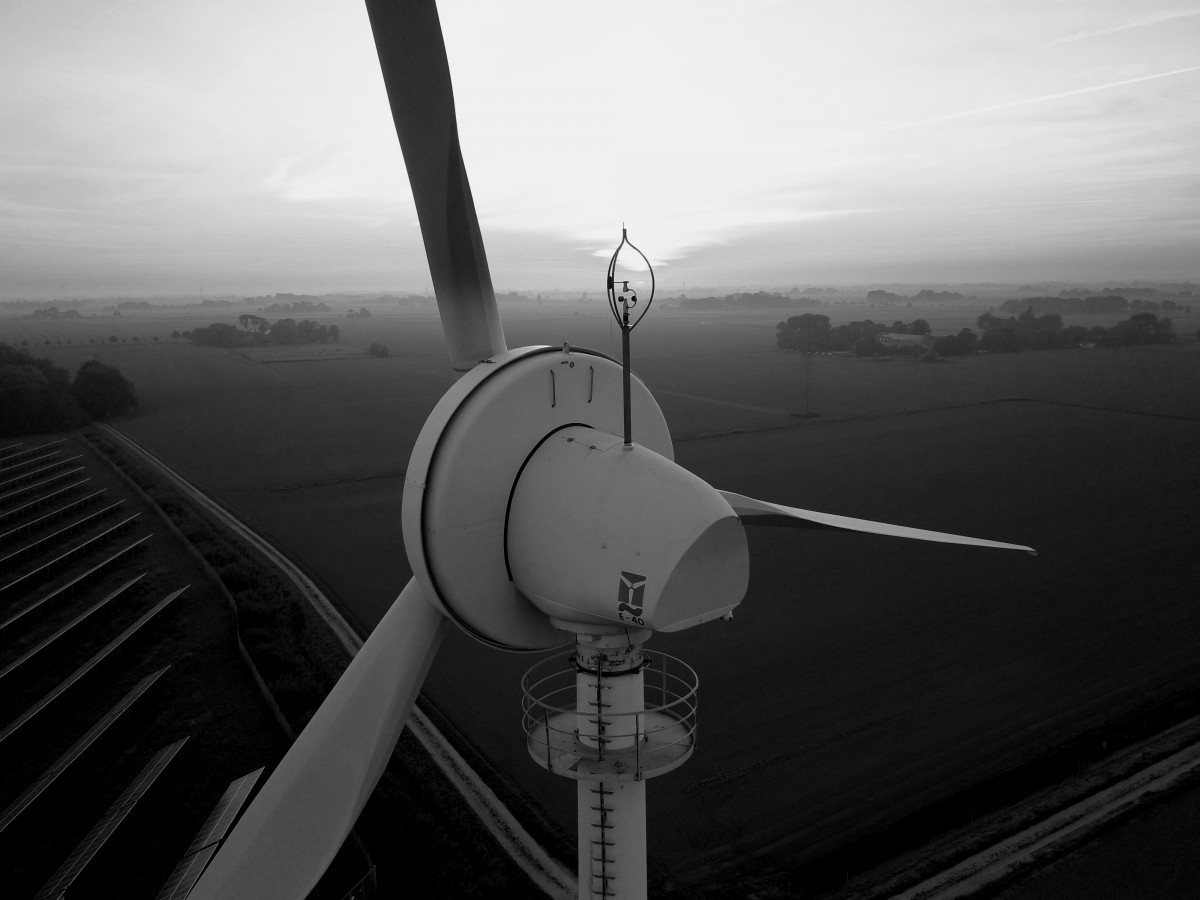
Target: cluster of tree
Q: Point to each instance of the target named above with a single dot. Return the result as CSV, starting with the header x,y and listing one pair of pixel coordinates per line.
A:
x,y
361,313
1106,303
886,298
378,349
257,330
37,395
812,332
53,312
1029,331
309,307
1184,291
756,300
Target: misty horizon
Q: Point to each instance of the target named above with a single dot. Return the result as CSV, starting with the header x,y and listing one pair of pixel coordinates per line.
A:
x,y
152,150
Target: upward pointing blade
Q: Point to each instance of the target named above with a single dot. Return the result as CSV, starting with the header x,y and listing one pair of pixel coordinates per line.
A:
x,y
295,826
760,512
412,55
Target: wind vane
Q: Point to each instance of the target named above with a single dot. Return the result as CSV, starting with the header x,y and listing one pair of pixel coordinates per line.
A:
x,y
620,303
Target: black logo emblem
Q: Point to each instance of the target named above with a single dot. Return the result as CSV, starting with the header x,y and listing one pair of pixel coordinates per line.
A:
x,y
630,597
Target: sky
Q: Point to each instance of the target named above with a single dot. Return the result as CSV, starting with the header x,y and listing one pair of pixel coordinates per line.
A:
x,y
159,147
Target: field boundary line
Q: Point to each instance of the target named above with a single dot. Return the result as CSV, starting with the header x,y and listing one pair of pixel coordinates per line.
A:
x,y
1057,834
818,420
316,484
555,879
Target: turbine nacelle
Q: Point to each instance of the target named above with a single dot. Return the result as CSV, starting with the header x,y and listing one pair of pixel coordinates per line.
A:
x,y
604,533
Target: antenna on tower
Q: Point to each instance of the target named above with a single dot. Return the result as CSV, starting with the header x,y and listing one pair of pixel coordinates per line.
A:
x,y
620,303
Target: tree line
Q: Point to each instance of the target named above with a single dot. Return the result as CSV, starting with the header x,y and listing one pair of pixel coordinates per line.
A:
x,y
813,333
1029,331
37,395
1103,303
257,330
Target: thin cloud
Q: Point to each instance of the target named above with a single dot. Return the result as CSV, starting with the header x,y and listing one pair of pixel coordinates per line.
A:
x,y
1140,22
1029,101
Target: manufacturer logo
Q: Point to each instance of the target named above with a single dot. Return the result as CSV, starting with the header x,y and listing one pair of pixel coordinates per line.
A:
x,y
631,594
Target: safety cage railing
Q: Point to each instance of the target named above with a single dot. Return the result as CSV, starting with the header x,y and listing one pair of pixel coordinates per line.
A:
x,y
642,744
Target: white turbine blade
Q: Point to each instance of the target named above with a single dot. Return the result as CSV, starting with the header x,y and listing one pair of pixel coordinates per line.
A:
x,y
412,55
760,512
290,833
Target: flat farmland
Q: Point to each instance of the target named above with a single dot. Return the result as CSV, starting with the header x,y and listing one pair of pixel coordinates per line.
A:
x,y
862,679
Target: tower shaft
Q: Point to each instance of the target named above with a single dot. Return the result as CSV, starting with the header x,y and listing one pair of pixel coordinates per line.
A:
x,y
609,700
612,840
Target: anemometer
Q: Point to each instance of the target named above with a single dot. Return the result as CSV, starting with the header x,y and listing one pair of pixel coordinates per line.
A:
x,y
620,303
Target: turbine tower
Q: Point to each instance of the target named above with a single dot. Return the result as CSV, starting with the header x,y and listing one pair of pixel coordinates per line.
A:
x,y
530,517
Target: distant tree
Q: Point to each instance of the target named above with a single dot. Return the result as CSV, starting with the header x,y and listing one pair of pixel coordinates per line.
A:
x,y
959,344
112,338
284,331
919,326
1143,328
254,324
999,340
175,334
218,334
335,334
377,349
306,332
807,332
102,391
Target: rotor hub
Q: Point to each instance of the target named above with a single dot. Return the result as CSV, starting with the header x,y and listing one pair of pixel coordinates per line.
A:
x,y
468,459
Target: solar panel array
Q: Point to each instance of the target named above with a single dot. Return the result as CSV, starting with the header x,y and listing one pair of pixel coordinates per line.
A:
x,y
66,556
18,512
77,749
57,478
60,592
42,521
87,613
209,838
75,676
95,839
57,533
39,473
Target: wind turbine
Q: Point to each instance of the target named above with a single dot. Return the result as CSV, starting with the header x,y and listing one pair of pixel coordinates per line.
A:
x,y
530,519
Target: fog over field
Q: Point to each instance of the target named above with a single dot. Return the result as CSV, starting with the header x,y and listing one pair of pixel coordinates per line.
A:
x,y
862,679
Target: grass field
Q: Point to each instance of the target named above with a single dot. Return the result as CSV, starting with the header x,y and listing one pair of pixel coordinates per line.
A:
x,y
862,680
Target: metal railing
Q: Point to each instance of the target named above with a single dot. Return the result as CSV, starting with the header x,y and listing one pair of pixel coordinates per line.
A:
x,y
656,736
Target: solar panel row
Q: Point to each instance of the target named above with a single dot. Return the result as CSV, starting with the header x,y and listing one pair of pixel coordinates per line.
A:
x,y
58,478
42,521
79,673
208,839
38,473
25,509
8,469
13,452
62,879
87,613
58,536
60,592
63,763
31,578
